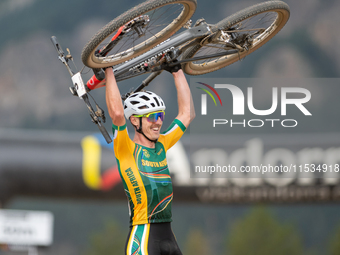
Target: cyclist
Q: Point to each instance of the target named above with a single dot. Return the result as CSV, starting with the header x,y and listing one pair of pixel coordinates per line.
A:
x,y
142,161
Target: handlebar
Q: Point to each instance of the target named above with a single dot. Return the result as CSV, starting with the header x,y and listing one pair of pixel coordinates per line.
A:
x,y
80,90
57,47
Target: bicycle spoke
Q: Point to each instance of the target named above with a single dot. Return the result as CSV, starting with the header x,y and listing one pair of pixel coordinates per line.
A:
x,y
251,27
158,20
166,11
121,46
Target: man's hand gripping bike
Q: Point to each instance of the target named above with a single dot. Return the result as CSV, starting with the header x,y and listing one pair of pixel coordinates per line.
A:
x,y
141,41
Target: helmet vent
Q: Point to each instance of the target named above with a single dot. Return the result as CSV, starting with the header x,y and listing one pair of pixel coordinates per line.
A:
x,y
156,101
143,107
152,104
134,102
145,98
133,95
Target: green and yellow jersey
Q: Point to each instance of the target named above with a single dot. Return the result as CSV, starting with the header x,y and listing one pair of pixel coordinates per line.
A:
x,y
145,174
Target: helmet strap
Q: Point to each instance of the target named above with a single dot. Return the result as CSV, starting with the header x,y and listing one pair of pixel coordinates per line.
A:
x,y
139,130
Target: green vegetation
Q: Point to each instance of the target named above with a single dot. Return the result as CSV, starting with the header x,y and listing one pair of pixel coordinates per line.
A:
x,y
108,241
196,243
334,247
259,233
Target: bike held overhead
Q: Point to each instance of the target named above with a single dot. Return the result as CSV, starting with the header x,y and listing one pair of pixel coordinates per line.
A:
x,y
142,40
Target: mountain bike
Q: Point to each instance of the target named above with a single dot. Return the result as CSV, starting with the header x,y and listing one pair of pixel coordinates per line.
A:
x,y
142,41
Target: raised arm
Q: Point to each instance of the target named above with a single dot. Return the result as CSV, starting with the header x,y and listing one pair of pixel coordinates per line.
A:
x,y
113,99
186,109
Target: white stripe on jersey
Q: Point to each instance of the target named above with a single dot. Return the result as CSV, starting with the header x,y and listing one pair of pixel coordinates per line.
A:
x,y
143,240
171,130
132,237
115,134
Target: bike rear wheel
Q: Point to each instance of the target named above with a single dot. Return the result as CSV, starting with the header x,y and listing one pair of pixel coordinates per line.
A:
x,y
143,26
246,30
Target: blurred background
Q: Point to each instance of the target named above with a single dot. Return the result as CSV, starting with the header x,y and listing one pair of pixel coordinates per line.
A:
x,y
46,134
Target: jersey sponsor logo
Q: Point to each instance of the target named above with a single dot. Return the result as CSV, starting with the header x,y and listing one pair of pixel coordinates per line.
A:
x,y
160,151
146,153
154,164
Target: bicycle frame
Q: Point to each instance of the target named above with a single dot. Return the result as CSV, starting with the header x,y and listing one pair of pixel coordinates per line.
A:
x,y
175,44
165,47
158,58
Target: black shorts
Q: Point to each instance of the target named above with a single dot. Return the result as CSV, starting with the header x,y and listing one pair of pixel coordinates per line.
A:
x,y
152,239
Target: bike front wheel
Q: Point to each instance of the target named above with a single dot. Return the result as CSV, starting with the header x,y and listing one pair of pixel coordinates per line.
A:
x,y
246,30
136,31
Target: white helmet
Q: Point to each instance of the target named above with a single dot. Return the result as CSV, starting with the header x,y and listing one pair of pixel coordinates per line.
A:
x,y
141,103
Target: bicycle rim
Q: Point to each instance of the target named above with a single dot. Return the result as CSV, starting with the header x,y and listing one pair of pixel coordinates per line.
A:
x,y
249,29
160,20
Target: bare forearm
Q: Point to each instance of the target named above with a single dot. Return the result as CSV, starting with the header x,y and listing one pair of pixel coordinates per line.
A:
x,y
113,99
186,109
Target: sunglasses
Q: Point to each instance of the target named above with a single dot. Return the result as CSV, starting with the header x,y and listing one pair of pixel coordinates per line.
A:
x,y
153,116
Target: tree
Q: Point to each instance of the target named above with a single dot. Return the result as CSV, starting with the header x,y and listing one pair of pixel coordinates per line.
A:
x,y
260,233
196,243
334,248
